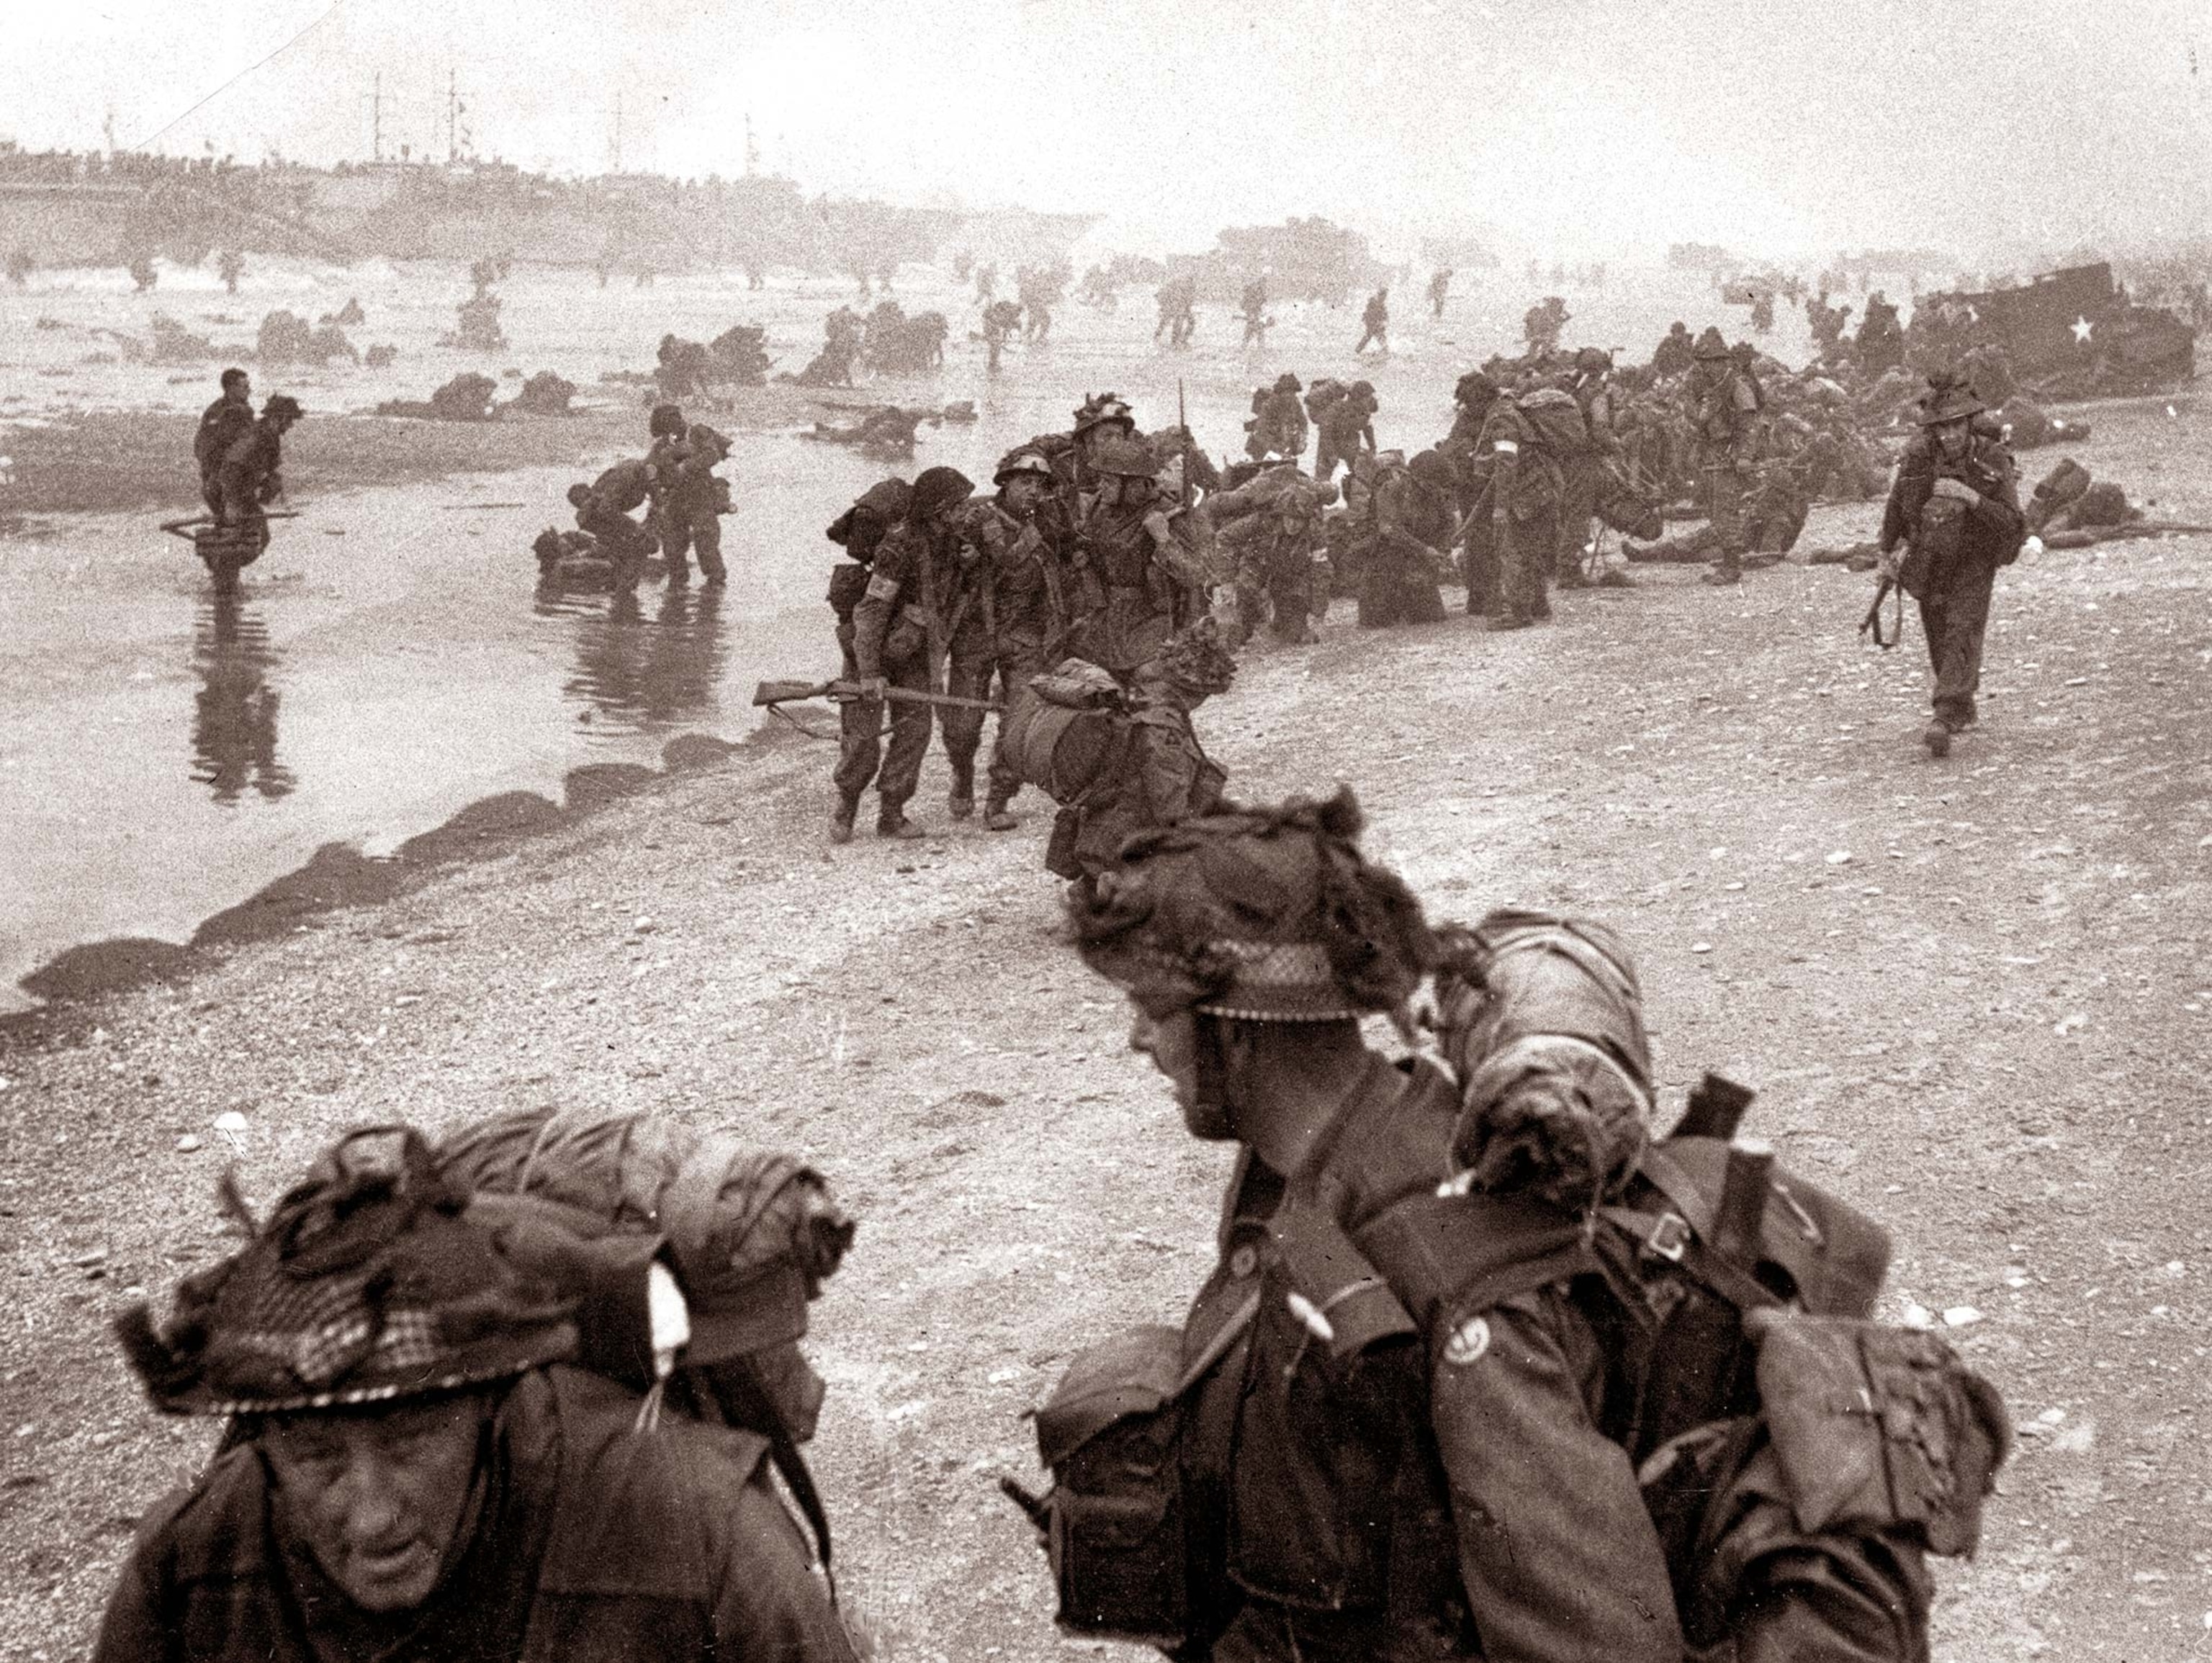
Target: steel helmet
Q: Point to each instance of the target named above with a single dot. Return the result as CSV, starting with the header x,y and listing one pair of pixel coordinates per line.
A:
x,y
1118,453
1022,461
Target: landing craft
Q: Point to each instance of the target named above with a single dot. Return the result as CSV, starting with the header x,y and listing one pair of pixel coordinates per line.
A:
x,y
2067,333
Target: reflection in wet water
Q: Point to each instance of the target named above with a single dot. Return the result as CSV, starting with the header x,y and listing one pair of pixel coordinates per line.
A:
x,y
234,712
643,664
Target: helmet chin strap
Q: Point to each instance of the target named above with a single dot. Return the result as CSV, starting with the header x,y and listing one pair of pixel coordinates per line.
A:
x,y
1210,1113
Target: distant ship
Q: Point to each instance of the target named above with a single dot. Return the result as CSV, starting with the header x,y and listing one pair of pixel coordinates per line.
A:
x,y
60,209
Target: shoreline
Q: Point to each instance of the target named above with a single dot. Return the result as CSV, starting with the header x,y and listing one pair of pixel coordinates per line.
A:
x,y
106,461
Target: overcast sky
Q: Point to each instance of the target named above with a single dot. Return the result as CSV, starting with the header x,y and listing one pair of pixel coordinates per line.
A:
x,y
1598,125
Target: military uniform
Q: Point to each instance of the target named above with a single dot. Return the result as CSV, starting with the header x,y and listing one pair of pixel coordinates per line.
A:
x,y
1959,540
1375,322
1027,583
922,610
604,512
1416,1421
1582,470
1410,520
594,1542
1269,528
1347,431
860,531
222,423
1522,510
688,501
1725,416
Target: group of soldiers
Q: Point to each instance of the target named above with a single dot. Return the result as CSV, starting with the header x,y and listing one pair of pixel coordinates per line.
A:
x,y
240,457
683,496
1488,1365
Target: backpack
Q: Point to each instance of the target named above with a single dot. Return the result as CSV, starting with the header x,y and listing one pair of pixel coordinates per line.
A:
x,y
750,1238
1325,395
1556,421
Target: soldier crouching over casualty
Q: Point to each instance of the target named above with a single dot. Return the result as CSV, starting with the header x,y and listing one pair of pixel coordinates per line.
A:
x,y
415,1471
602,510
1577,1401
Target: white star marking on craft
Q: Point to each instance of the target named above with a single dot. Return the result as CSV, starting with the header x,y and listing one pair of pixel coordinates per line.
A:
x,y
2081,328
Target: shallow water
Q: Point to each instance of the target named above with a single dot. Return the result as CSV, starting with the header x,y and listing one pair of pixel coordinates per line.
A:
x,y
163,755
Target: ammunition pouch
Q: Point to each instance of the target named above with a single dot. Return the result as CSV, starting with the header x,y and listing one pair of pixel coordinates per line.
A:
x,y
1060,850
907,640
848,583
1879,1428
1938,539
1133,1523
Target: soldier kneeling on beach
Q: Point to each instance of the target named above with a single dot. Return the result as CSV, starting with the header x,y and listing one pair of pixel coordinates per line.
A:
x,y
415,1468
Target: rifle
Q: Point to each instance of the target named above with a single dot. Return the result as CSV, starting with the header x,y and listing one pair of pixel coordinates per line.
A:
x,y
184,528
783,692
1871,623
1182,421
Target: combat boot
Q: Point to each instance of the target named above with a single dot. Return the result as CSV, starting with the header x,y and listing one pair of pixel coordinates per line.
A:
x,y
961,799
1722,576
891,823
1511,621
997,817
841,814
1937,736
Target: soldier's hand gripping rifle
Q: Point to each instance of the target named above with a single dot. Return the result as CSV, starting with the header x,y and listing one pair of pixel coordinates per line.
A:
x,y
786,693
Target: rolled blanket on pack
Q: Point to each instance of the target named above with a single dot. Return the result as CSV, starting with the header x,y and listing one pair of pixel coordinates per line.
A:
x,y
1541,1018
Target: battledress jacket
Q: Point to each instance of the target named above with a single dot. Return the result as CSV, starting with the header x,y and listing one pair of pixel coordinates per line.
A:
x,y
1461,1483
1391,1497
1994,526
592,1543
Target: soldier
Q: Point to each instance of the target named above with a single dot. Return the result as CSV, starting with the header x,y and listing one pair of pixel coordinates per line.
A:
x,y
603,509
1270,527
415,1469
1160,775
1346,429
1521,493
1676,353
1277,427
1178,302
1439,287
691,497
1029,622
1410,524
1472,398
1375,322
920,603
1134,587
1956,502
1581,469
860,531
222,423
1252,307
1460,1311
249,474
1000,319
1725,415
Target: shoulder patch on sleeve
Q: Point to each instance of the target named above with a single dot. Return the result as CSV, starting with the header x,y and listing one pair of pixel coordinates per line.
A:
x,y
882,586
1467,1343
